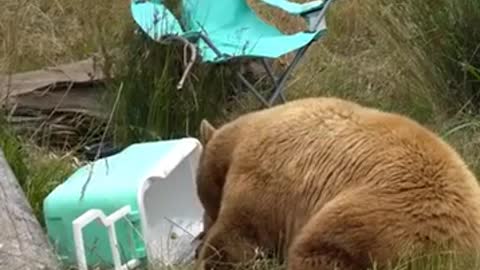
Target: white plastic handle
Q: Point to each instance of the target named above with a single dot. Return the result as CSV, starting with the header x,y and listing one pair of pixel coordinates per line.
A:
x,y
109,222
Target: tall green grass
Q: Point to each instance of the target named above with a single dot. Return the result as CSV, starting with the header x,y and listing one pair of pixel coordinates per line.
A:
x,y
405,56
150,107
448,45
37,171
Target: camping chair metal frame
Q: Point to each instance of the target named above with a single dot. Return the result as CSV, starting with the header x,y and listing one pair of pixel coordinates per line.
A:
x,y
314,18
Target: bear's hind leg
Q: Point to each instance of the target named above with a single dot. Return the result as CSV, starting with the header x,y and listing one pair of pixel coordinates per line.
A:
x,y
347,234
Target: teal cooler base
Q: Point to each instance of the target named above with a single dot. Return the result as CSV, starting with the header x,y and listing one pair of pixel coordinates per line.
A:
x,y
120,180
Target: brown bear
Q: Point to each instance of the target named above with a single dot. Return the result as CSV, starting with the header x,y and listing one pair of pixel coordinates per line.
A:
x,y
324,182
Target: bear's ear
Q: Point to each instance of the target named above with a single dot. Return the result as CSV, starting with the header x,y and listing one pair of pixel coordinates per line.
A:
x,y
206,131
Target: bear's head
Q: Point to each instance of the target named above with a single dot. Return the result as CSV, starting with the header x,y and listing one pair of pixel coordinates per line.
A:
x,y
205,174
213,167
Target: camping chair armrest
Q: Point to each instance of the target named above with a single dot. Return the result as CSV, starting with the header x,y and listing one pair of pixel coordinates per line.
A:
x,y
296,8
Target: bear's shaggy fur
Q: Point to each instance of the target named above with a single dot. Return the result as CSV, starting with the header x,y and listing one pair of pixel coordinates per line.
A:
x,y
324,181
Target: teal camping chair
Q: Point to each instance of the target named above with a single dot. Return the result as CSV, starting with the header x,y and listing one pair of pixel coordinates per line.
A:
x,y
223,30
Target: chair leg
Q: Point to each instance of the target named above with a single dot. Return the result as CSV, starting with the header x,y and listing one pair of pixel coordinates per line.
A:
x,y
269,70
252,88
278,91
239,73
210,44
278,84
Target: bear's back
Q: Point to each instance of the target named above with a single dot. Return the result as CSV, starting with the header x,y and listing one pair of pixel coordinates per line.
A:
x,y
322,178
324,146
325,129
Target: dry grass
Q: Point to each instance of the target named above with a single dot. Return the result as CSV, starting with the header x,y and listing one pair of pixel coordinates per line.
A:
x,y
39,33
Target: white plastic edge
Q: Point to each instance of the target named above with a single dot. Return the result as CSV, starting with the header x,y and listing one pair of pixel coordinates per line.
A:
x,y
171,161
177,156
107,221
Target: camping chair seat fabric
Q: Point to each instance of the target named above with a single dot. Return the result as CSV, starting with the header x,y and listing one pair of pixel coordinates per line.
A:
x,y
249,42
155,19
235,32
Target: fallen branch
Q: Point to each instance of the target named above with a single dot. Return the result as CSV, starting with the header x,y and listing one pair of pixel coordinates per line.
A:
x,y
23,243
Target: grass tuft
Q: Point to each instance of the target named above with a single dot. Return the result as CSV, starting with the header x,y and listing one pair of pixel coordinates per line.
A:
x,y
151,107
37,171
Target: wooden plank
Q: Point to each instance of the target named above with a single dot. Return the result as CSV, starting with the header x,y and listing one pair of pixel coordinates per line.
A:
x,y
61,76
23,243
75,86
84,99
